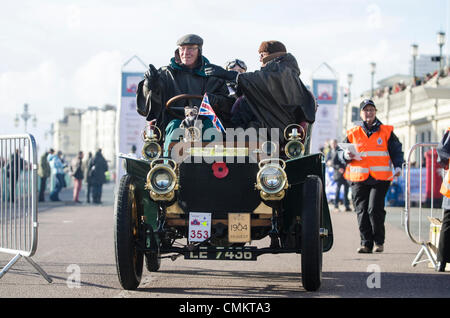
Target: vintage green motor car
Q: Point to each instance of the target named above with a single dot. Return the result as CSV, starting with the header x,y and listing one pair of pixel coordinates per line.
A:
x,y
211,199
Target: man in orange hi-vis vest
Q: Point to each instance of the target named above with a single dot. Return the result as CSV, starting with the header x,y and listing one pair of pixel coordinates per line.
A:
x,y
443,151
370,172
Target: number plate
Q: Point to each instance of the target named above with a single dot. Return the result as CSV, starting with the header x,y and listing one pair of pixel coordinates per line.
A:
x,y
239,227
199,226
224,254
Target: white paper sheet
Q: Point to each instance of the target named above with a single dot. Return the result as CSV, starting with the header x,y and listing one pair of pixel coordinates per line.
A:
x,y
352,149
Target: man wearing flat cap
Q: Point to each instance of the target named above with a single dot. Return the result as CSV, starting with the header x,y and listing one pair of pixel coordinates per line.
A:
x,y
370,172
184,75
274,96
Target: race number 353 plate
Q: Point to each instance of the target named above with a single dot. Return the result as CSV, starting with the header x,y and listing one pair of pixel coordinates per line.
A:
x,y
199,226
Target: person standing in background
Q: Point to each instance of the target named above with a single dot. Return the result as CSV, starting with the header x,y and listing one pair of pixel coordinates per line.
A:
x,y
332,160
97,169
87,179
443,151
44,173
13,168
57,165
76,170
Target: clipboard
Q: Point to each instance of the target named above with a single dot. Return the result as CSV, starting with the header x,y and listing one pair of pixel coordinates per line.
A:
x,y
352,149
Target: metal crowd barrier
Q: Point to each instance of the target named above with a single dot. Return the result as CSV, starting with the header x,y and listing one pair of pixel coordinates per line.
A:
x,y
18,200
418,215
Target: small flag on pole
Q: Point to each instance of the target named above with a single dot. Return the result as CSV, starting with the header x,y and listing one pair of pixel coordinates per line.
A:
x,y
207,110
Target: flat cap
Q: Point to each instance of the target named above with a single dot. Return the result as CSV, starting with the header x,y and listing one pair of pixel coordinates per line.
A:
x,y
190,39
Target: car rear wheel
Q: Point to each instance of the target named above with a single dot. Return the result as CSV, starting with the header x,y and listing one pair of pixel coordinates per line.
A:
x,y
153,260
129,259
311,242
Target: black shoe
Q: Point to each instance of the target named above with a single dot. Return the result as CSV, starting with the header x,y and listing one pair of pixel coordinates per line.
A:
x,y
364,250
441,267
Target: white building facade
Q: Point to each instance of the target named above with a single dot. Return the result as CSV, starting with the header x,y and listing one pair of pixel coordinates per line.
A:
x,y
418,114
87,130
66,137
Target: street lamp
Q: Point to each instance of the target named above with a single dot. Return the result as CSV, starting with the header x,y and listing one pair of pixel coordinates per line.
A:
x,y
373,66
414,53
349,81
50,132
25,117
440,42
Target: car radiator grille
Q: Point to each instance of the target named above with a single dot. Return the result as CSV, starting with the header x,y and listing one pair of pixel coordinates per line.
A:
x,y
201,191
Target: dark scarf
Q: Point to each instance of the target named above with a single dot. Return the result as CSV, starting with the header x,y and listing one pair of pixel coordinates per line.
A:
x,y
375,127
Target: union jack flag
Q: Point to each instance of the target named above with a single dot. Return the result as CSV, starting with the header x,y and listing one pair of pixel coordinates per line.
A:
x,y
207,110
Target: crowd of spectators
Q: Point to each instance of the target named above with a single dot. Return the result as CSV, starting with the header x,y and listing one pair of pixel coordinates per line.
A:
x,y
418,81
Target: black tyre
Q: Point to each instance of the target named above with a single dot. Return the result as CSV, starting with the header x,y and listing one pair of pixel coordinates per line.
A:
x,y
152,262
311,242
129,259
152,259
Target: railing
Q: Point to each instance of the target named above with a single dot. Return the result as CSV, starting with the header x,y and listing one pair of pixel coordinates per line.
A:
x,y
18,200
417,237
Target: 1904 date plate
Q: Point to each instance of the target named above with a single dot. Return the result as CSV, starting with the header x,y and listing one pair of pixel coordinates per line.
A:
x,y
247,253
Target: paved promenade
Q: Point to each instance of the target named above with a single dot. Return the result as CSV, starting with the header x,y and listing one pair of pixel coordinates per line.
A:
x,y
80,236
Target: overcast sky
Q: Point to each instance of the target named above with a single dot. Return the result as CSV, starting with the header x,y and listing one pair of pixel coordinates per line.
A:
x,y
61,53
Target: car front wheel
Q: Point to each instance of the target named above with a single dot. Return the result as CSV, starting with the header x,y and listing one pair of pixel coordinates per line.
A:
x,y
129,259
311,242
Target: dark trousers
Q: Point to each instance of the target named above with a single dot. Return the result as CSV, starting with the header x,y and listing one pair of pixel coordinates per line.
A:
x,y
88,192
42,188
59,184
368,201
12,187
342,182
97,192
444,239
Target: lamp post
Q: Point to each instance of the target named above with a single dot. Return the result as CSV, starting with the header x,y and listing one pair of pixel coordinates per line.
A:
x,y
440,42
373,66
349,81
25,117
414,54
50,132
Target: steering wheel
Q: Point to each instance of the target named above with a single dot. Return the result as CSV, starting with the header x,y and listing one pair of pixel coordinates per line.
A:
x,y
178,111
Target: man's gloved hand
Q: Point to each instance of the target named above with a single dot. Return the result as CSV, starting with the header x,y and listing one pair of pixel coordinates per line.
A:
x,y
151,77
217,71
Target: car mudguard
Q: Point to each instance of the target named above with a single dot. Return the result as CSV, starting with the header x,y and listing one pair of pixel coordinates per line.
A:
x,y
297,170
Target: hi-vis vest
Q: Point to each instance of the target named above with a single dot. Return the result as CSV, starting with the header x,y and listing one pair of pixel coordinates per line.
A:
x,y
374,153
445,186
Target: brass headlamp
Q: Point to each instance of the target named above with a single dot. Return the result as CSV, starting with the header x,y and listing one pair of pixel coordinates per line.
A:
x,y
162,180
271,179
151,149
294,148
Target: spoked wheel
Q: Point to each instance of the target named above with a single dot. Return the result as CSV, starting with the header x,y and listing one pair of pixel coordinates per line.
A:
x,y
129,259
311,242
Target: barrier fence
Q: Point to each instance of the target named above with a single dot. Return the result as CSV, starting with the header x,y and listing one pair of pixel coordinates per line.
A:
x,y
415,218
18,200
